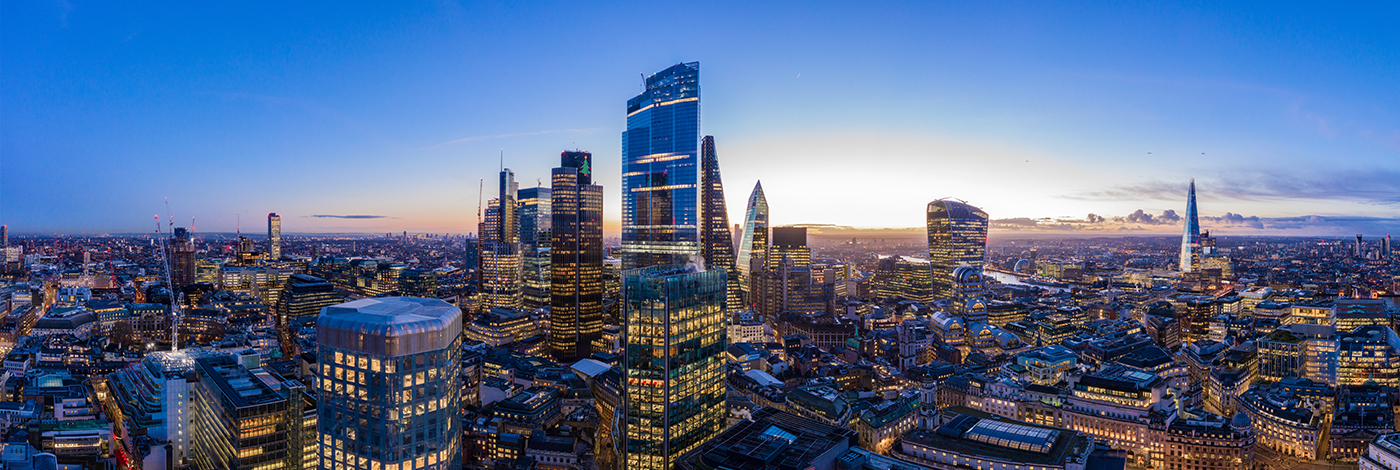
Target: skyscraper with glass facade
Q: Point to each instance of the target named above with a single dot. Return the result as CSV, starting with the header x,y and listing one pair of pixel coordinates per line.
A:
x,y
957,235
274,236
673,364
387,370
716,242
501,258
754,244
660,169
576,280
535,222
1191,235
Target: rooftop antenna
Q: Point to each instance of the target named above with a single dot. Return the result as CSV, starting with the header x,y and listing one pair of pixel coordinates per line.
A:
x,y
238,224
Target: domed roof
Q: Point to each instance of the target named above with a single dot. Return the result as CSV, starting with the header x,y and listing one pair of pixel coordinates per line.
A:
x,y
1240,421
967,274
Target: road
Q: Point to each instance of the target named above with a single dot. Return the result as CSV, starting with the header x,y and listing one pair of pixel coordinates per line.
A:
x,y
1277,461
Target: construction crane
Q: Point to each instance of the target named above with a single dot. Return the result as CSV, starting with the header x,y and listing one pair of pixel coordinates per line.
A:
x,y
176,315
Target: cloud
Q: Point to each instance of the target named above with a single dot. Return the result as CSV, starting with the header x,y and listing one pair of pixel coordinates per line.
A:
x,y
1229,223
325,216
478,138
1379,186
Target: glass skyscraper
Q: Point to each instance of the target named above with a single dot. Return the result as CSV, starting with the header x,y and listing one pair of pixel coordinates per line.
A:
x,y
1191,235
754,244
274,236
716,242
387,371
535,222
957,235
673,364
660,169
500,248
576,282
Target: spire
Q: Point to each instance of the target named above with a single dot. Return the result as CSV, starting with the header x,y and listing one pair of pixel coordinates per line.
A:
x,y
1191,234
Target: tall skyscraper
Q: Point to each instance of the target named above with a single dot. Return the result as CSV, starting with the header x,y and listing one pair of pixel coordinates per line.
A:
x,y
1191,236
1385,247
386,370
576,282
1356,249
673,364
957,235
274,236
754,245
535,222
500,248
716,244
4,235
659,169
181,253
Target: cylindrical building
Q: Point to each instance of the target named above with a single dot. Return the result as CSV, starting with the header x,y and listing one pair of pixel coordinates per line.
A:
x,y
388,378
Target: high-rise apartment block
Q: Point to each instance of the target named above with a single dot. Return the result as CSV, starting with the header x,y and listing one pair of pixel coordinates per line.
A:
x,y
673,364
576,279
660,169
957,235
387,375
274,236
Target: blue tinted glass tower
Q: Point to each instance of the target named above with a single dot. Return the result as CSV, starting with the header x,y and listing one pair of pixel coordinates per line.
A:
x,y
660,170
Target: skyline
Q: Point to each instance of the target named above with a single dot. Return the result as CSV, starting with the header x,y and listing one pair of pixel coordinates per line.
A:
x,y
382,119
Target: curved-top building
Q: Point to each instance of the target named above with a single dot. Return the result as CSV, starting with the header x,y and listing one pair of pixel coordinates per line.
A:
x,y
386,370
957,234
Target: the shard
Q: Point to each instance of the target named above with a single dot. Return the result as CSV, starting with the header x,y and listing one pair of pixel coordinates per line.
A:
x,y
1191,236
754,245
716,243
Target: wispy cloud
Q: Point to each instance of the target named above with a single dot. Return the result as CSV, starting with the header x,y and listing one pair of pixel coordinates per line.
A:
x,y
1229,223
326,216
1379,186
478,138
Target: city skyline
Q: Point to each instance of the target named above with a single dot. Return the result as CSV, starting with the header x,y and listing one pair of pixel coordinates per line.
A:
x,y
1059,124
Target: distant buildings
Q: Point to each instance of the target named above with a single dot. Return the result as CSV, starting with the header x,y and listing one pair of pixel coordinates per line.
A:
x,y
673,368
660,169
385,369
957,235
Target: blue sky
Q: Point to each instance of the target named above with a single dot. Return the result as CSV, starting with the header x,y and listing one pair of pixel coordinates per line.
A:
x,y
850,113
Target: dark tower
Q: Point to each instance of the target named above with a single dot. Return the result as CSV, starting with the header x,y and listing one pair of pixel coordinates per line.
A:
x,y
716,244
576,259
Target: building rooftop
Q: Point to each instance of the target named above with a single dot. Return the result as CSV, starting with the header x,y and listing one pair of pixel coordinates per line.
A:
x,y
771,440
390,326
